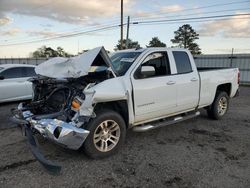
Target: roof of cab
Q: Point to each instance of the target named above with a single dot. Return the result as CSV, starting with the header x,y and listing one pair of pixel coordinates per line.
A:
x,y
132,50
148,49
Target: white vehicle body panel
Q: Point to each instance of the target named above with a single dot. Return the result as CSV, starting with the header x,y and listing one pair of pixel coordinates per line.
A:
x,y
102,90
151,98
13,89
211,79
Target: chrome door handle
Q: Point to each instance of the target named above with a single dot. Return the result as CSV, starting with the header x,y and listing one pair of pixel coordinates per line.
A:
x,y
170,82
193,79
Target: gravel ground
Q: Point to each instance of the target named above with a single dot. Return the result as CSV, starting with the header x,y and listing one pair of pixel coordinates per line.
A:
x,y
195,153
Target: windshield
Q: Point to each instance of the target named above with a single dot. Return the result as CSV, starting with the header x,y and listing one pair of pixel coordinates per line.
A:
x,y
121,61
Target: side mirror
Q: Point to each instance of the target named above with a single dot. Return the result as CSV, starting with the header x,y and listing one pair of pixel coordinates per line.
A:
x,y
147,71
1,77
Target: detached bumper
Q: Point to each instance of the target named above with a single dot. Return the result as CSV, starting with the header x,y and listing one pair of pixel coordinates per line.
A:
x,y
60,132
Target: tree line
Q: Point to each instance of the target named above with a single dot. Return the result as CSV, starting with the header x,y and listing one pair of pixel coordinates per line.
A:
x,y
45,51
184,37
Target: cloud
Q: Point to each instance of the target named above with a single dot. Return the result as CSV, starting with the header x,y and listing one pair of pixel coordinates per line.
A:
x,y
11,32
163,10
4,20
233,27
171,9
70,11
48,34
44,34
46,25
140,13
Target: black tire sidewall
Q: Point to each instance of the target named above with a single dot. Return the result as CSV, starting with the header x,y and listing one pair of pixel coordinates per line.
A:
x,y
88,145
213,110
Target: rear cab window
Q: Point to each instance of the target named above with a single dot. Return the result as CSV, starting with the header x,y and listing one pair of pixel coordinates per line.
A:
x,y
182,61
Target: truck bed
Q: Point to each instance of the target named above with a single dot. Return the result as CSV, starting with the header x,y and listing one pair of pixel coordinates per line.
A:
x,y
211,77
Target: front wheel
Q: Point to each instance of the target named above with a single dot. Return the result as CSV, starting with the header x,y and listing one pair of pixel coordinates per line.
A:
x,y
107,133
219,107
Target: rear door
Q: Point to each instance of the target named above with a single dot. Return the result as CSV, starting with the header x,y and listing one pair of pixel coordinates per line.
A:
x,y
187,79
154,96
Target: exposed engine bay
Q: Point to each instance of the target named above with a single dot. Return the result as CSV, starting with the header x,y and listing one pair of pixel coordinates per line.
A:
x,y
62,98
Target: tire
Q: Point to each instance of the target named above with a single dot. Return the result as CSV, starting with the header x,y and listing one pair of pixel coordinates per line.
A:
x,y
219,107
110,129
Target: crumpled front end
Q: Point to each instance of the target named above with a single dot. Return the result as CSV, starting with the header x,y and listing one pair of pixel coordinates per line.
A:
x,y
58,131
63,133
65,94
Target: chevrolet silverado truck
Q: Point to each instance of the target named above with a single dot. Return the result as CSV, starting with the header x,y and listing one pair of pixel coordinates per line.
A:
x,y
88,102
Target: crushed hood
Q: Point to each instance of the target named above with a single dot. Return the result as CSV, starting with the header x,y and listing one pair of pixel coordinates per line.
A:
x,y
73,67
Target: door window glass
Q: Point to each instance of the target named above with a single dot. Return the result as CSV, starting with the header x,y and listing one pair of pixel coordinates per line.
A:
x,y
159,61
12,73
29,71
182,61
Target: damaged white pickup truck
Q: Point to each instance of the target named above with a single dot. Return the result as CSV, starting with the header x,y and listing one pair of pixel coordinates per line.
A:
x,y
89,101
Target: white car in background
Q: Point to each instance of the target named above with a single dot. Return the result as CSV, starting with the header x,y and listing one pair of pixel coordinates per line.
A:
x,y
14,84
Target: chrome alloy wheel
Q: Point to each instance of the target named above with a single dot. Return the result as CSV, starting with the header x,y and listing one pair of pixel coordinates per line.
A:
x,y
222,106
106,135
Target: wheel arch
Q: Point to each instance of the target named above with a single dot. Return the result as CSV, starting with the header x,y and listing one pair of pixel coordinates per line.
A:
x,y
120,106
226,87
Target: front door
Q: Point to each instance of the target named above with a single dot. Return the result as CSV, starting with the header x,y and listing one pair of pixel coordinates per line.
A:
x,y
154,95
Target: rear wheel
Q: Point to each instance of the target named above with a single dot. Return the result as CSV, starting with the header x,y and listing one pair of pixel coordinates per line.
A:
x,y
107,133
219,107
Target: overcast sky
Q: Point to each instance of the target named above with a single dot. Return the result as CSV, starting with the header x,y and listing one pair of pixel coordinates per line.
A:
x,y
31,20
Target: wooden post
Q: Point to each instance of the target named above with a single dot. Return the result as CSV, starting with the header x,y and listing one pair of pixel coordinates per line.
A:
x,y
127,32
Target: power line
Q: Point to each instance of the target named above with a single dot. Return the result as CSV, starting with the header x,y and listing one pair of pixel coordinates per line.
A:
x,y
195,21
196,8
208,12
192,18
79,29
63,36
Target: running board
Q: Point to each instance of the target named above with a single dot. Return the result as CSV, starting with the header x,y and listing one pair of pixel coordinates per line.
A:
x,y
143,128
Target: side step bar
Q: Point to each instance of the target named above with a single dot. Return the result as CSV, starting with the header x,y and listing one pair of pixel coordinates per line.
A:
x,y
176,119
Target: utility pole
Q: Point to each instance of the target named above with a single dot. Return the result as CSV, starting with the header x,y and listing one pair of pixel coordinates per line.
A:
x,y
128,22
121,24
